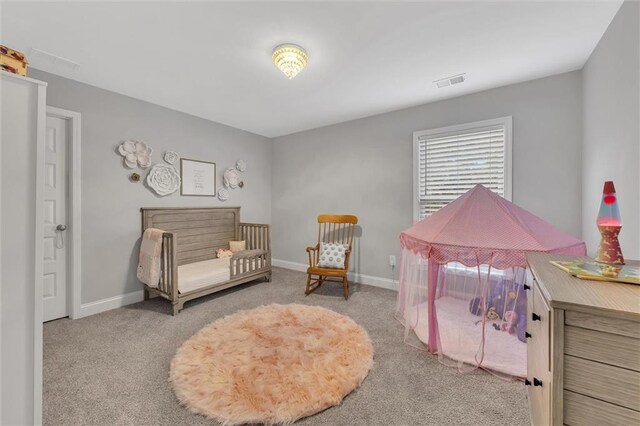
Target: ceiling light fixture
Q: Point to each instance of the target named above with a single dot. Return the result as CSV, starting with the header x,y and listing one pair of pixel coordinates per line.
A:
x,y
290,59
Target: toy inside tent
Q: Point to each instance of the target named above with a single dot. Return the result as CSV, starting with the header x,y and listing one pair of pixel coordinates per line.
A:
x,y
462,281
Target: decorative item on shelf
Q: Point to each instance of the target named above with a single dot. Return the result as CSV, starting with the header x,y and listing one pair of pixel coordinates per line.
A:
x,y
290,59
241,166
223,194
13,61
135,153
198,177
231,178
600,271
171,157
163,179
609,224
135,177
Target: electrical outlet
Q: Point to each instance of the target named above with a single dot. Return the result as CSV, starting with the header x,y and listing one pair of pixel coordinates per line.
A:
x,y
392,260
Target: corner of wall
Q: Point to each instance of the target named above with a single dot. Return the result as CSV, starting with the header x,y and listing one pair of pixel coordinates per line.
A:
x,y
610,126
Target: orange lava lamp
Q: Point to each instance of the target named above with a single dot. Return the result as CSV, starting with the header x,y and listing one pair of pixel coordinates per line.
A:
x,y
609,224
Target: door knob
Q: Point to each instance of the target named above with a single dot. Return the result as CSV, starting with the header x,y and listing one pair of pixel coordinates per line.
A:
x,y
535,317
537,382
527,334
61,227
527,382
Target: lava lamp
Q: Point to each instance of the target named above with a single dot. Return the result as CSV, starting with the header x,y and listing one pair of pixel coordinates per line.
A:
x,y
609,224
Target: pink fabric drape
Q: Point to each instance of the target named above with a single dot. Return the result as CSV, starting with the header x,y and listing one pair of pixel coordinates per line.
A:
x,y
432,283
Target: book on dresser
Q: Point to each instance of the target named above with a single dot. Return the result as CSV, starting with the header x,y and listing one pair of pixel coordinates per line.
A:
x,y
583,347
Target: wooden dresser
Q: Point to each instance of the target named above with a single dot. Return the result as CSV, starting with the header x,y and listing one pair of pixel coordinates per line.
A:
x,y
583,347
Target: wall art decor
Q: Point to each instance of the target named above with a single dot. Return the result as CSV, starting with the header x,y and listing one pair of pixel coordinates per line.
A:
x,y
231,178
135,153
135,177
171,157
223,194
241,165
163,179
198,177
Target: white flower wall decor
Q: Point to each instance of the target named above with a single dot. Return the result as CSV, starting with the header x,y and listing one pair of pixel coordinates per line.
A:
x,y
223,194
135,153
171,157
241,165
231,178
163,179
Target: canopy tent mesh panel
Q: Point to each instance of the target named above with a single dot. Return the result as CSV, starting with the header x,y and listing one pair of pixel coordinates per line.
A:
x,y
461,288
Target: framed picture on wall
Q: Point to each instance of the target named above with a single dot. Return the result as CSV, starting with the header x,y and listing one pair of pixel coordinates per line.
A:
x,y
198,178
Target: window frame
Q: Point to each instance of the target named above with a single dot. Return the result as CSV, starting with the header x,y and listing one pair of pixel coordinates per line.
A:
x,y
506,121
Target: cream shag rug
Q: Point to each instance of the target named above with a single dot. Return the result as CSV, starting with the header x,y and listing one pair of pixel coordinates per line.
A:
x,y
272,365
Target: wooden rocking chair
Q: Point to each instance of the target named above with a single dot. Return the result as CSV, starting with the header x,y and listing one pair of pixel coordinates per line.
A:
x,y
337,229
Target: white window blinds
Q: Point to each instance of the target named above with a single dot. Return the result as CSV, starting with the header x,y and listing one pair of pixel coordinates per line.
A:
x,y
450,162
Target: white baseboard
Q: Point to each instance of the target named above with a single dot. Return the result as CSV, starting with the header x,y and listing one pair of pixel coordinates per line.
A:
x,y
353,277
103,305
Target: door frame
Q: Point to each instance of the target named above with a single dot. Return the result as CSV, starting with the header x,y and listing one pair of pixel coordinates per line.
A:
x,y
74,168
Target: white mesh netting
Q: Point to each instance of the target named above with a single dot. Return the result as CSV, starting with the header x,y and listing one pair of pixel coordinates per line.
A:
x,y
471,317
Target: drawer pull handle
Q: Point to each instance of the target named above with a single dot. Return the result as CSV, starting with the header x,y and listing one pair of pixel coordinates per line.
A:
x,y
527,335
535,317
527,287
537,382
527,382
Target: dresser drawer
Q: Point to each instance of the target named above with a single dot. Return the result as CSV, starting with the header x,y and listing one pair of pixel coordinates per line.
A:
x,y
538,356
619,326
608,348
580,410
539,322
606,382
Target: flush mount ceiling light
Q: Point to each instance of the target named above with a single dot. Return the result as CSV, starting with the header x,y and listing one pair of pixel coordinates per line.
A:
x,y
290,59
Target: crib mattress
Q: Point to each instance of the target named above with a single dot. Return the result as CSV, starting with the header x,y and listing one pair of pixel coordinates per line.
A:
x,y
194,276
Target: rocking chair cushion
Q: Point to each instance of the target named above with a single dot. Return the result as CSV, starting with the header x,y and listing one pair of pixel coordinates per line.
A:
x,y
332,255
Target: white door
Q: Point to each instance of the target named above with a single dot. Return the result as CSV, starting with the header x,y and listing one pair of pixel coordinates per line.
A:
x,y
54,281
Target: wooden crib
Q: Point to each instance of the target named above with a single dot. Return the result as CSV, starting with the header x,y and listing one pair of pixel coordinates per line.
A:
x,y
192,236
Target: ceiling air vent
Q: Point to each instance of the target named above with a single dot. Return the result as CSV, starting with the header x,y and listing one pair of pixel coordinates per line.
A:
x,y
450,81
42,57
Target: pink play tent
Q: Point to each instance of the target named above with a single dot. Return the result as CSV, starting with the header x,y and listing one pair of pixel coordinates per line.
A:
x,y
462,278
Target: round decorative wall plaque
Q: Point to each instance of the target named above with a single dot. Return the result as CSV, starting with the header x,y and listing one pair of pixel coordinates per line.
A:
x,y
163,179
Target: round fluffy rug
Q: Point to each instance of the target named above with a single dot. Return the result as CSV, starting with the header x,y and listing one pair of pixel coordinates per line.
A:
x,y
272,365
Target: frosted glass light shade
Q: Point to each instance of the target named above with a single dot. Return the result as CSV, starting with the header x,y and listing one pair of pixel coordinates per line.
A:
x,y
290,59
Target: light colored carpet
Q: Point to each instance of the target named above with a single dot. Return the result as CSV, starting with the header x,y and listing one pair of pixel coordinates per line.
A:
x,y
113,368
272,365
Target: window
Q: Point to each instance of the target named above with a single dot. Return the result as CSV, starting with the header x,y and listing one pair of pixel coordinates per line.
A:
x,y
451,160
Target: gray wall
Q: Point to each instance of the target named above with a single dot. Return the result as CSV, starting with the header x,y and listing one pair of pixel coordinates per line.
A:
x,y
611,135
111,203
365,167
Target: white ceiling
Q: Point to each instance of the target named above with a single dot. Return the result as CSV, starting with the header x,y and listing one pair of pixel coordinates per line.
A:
x,y
213,60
